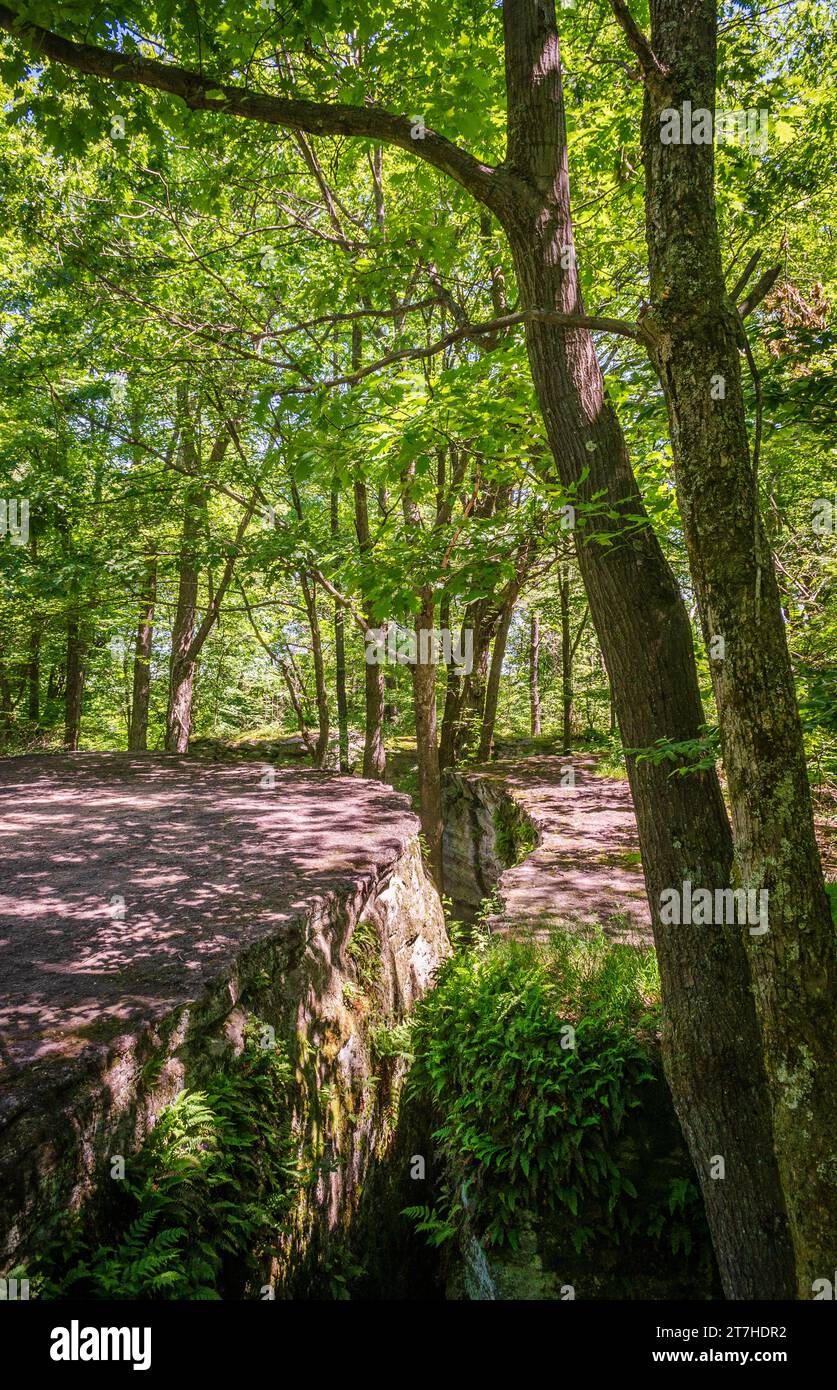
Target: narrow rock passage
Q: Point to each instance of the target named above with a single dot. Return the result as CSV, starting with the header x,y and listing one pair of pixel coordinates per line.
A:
x,y
586,866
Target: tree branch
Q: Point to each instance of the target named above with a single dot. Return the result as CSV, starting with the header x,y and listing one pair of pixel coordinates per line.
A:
x,y
202,93
762,287
471,330
653,71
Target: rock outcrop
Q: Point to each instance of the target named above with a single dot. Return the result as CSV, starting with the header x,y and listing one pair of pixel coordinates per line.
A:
x,y
151,906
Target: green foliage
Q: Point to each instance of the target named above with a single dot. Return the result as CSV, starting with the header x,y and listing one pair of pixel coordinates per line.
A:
x,y
515,835
689,755
364,951
204,1200
531,1091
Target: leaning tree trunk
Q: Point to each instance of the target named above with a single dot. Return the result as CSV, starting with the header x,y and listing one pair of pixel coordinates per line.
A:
x,y
697,336
711,1040
138,733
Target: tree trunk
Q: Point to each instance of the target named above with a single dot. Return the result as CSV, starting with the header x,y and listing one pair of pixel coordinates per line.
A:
x,y
309,594
186,641
534,673
73,682
472,691
182,668
697,333
340,655
33,672
5,702
33,703
138,734
429,778
711,1041
566,663
374,756
424,704
492,690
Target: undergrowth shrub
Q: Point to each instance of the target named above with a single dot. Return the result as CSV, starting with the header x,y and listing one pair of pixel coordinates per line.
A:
x,y
532,1056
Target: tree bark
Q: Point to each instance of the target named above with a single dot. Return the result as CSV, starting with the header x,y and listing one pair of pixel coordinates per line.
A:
x,y
696,334
138,734
711,1041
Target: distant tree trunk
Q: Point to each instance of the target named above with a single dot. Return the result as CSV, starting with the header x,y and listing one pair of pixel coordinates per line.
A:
x,y
474,684
534,674
696,335
374,755
138,732
492,690
309,594
340,654
424,695
33,671
33,709
182,669
566,663
187,642
5,701
73,681
450,714
390,707
424,704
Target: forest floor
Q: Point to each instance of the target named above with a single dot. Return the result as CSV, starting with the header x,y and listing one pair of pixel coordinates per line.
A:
x,y
131,881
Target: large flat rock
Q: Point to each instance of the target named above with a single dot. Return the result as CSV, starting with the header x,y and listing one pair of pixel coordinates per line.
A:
x,y
205,859
150,909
